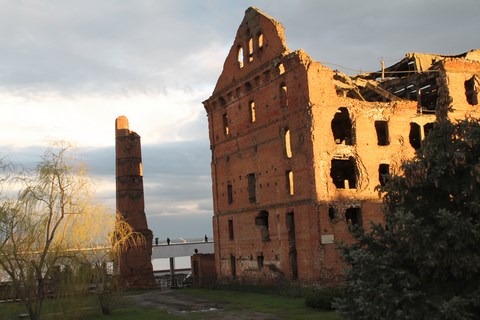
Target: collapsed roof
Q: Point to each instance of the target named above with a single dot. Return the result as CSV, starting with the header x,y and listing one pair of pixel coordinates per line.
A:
x,y
413,78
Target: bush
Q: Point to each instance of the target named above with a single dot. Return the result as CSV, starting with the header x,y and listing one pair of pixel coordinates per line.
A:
x,y
323,298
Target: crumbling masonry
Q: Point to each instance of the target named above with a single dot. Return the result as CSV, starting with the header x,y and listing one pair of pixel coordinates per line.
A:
x,y
135,264
298,149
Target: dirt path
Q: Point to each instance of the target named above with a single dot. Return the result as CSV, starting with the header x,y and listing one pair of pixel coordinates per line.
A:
x,y
174,302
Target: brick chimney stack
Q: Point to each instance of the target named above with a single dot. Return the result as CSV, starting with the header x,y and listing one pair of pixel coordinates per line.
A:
x,y
135,265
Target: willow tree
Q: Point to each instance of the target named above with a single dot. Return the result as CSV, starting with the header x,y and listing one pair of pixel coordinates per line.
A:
x,y
425,262
40,227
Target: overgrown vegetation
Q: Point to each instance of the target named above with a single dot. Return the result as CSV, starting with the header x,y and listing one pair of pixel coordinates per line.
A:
x,y
425,262
323,298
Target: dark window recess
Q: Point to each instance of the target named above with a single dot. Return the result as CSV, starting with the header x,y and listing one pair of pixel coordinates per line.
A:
x,y
353,216
222,101
343,173
248,87
427,127
471,91
233,266
292,246
342,127
383,173
226,130
231,235
261,222
230,193
382,133
415,136
252,193
260,262
332,213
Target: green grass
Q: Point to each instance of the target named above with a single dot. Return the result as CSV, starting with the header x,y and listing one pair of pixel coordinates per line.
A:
x,y
285,307
83,308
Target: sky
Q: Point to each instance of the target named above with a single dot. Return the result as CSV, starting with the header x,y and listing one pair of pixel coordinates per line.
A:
x,y
69,68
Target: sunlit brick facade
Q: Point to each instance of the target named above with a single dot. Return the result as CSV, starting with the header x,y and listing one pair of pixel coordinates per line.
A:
x,y
298,149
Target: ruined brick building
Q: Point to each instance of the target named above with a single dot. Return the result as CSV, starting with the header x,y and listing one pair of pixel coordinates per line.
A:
x,y
135,264
298,149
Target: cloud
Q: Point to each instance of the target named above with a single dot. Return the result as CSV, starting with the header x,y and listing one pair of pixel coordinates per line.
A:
x,y
69,68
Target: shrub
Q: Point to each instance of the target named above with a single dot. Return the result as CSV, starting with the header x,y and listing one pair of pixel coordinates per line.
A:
x,y
323,298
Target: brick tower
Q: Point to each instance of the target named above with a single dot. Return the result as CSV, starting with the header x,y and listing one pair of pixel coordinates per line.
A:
x,y
135,264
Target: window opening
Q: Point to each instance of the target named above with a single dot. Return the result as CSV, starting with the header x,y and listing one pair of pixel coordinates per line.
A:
x,y
230,230
290,187
383,173
222,101
250,49
471,91
283,95
240,57
252,113
260,262
288,146
426,128
332,213
342,127
230,193
292,246
415,136
281,68
261,222
353,216
260,40
248,86
382,133
252,197
343,173
226,130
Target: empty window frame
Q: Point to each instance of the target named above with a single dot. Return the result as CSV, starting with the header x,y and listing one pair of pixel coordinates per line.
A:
x,y
381,127
426,128
260,262
231,235
283,95
280,68
415,136
471,91
240,56
290,186
252,112
332,213
260,40
252,193
343,173
226,129
342,127
250,49
287,141
292,246
383,173
230,193
353,216
261,222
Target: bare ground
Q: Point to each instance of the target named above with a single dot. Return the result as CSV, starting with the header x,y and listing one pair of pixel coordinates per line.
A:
x,y
174,302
